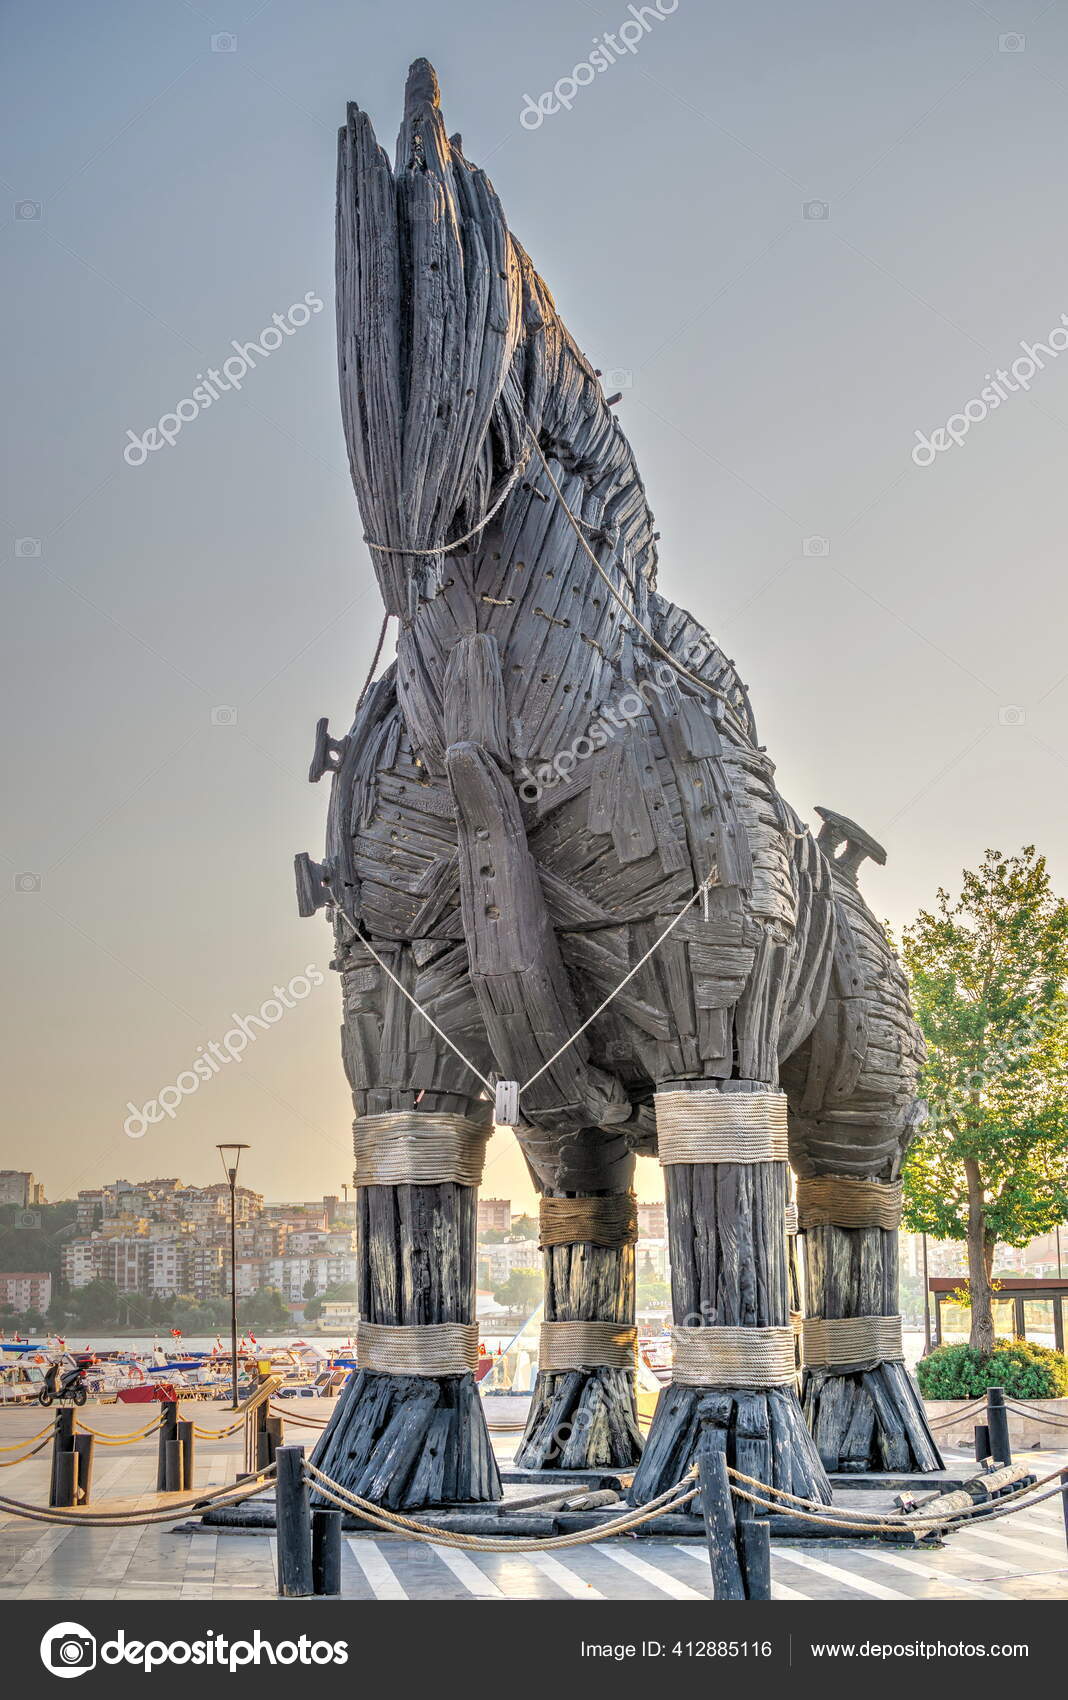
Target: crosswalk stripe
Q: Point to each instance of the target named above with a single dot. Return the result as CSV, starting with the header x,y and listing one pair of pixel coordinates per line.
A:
x,y
844,1578
964,1584
383,1580
1034,1549
651,1573
779,1591
477,1583
563,1576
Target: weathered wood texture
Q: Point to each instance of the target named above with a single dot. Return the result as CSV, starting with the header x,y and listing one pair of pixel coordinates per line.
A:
x,y
726,1226
587,1417
529,794
866,1416
407,1441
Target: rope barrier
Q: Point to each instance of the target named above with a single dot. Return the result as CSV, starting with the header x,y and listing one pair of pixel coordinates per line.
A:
x,y
15,1444
123,1519
1040,1416
9,1463
118,1439
666,1502
956,1416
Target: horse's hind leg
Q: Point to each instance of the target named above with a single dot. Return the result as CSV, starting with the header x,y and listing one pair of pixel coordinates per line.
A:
x,y
851,1091
583,1413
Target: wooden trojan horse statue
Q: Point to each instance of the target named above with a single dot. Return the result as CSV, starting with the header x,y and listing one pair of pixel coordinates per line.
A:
x,y
564,885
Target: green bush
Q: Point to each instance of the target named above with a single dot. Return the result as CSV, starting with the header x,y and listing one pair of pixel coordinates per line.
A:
x,y
1024,1370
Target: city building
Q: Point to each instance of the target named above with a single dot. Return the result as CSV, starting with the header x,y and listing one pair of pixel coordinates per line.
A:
x,y
20,1188
652,1220
24,1292
499,1260
494,1216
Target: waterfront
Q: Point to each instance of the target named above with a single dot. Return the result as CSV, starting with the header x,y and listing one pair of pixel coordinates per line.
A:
x,y
1022,1558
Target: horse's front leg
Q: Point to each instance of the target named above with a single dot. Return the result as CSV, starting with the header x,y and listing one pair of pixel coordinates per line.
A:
x,y
409,1429
723,1150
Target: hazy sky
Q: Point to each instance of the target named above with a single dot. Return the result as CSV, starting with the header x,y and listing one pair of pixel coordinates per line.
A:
x,y
175,628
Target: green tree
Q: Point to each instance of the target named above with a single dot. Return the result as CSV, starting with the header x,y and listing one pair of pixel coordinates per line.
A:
x,y
266,1311
95,1304
988,972
521,1291
343,1293
523,1228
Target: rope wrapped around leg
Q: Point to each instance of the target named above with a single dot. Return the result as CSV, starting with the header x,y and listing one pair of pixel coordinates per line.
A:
x,y
405,1148
830,1341
586,1345
609,1221
435,1348
733,1357
721,1127
842,1202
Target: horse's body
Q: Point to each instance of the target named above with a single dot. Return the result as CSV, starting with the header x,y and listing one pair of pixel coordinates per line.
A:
x,y
557,760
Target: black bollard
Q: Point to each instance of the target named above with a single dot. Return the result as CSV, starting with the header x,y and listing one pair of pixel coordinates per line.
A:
x,y
293,1524
1064,1502
714,1500
326,1552
982,1442
187,1440
168,1432
754,1550
65,1476
997,1421
62,1442
83,1446
172,1469
276,1437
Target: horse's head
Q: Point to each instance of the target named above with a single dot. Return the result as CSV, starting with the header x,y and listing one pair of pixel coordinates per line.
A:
x,y
453,361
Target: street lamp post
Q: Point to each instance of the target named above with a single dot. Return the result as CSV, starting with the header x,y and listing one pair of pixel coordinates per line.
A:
x,y
926,1301
231,1157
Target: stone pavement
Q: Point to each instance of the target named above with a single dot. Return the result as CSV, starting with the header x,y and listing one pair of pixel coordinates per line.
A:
x,y
1024,1557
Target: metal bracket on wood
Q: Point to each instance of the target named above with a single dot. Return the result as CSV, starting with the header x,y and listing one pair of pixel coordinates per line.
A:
x,y
313,884
328,753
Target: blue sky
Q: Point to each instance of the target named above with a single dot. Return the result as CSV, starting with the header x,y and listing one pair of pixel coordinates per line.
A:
x,y
168,181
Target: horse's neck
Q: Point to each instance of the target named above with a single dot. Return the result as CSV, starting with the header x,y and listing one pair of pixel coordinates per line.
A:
x,y
560,641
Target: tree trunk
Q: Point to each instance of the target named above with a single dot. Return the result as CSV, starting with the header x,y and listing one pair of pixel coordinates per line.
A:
x,y
980,1262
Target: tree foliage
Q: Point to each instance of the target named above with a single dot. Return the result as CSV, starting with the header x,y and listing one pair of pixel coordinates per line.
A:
x,y
988,972
521,1291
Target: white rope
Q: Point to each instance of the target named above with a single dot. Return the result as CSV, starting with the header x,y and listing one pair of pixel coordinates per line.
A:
x,y
727,1356
447,548
431,1348
834,1340
586,1345
642,960
721,1127
413,1148
694,678
365,944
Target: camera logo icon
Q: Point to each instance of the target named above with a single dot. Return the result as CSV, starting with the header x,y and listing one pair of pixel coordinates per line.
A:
x,y
27,547
1011,714
67,1649
26,882
27,210
224,43
617,378
224,714
1012,43
28,1219
818,546
815,210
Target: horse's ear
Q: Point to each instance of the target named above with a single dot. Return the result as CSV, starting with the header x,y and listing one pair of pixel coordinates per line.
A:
x,y
430,298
